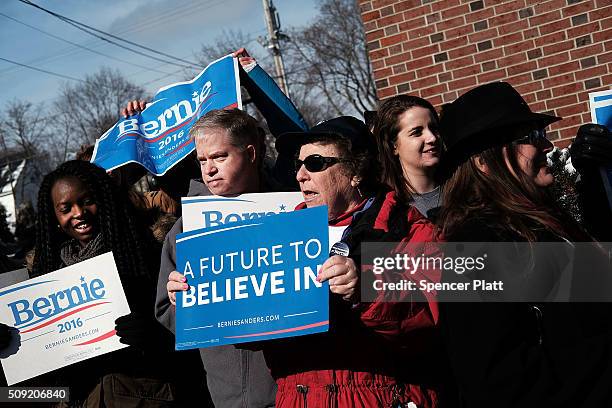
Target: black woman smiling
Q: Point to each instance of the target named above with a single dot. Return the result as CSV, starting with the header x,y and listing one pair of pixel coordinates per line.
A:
x,y
82,214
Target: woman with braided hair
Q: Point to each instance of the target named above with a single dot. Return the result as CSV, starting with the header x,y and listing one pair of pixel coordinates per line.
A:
x,y
104,223
82,214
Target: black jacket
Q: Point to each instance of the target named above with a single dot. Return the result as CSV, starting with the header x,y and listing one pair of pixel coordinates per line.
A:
x,y
526,354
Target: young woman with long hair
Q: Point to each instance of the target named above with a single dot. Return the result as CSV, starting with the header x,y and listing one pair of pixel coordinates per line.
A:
x,y
82,214
519,352
406,131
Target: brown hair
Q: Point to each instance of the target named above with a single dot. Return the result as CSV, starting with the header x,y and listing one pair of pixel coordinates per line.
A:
x,y
386,129
515,202
242,129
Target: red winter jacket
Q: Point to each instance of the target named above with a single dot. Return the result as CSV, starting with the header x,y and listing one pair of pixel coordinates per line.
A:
x,y
375,354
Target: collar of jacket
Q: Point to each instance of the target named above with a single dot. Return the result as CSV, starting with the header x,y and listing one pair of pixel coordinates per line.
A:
x,y
389,203
343,219
198,188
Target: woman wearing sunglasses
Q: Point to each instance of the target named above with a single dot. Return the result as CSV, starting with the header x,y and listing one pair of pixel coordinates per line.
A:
x,y
523,353
361,361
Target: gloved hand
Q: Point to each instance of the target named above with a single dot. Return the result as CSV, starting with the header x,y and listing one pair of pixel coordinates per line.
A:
x,y
5,336
591,148
142,331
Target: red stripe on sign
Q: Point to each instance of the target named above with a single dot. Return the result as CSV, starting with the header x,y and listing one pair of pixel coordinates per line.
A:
x,y
179,147
62,316
99,338
308,326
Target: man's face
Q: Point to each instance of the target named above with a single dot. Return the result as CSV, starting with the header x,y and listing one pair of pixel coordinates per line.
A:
x,y
226,169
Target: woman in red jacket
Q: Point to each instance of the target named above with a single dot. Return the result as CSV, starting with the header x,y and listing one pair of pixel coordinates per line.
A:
x,y
375,353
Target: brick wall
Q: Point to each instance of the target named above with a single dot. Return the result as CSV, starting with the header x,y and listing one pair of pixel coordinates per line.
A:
x,y
554,52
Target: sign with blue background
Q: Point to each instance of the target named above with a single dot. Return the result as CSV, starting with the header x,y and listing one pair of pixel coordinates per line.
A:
x,y
601,113
601,108
253,280
158,137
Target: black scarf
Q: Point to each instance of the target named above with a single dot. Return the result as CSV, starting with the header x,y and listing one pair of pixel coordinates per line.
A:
x,y
72,251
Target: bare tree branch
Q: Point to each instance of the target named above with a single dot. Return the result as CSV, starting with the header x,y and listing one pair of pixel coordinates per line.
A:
x,y
86,110
327,66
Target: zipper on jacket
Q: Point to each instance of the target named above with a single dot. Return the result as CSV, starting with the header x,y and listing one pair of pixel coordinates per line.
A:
x,y
303,389
539,325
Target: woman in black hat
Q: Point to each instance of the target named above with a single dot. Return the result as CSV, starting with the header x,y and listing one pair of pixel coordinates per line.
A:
x,y
525,353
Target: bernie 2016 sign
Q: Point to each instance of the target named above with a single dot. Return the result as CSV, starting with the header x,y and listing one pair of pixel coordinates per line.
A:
x,y
158,137
253,280
62,318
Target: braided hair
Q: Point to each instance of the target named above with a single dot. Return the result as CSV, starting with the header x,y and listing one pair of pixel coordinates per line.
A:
x,y
116,219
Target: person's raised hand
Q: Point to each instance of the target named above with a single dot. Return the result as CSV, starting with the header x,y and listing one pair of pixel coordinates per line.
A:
x,y
592,147
176,283
133,107
243,56
343,276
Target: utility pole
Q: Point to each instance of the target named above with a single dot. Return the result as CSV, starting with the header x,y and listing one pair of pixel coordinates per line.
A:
x,y
272,43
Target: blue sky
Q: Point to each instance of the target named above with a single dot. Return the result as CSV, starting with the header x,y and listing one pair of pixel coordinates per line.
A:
x,y
177,27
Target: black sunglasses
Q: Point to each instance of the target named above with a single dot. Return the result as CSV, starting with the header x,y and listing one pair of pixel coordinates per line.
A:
x,y
533,137
315,162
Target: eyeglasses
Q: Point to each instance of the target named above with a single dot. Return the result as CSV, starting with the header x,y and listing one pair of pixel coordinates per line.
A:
x,y
533,137
315,162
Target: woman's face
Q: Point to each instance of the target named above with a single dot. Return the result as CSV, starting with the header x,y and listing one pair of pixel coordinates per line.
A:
x,y
75,209
334,186
532,161
417,142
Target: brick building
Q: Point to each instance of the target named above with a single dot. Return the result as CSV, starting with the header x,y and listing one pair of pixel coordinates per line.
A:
x,y
554,52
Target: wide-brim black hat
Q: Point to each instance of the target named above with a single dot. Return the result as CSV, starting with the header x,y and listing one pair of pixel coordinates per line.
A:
x,y
348,127
480,119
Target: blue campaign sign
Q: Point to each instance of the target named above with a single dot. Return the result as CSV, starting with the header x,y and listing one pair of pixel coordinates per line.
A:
x,y
253,280
601,113
601,107
158,137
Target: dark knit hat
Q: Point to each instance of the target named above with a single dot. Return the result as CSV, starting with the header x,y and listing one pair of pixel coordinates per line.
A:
x,y
348,127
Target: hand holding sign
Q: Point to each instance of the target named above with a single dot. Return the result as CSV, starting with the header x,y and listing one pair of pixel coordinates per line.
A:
x,y
341,272
246,61
176,283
